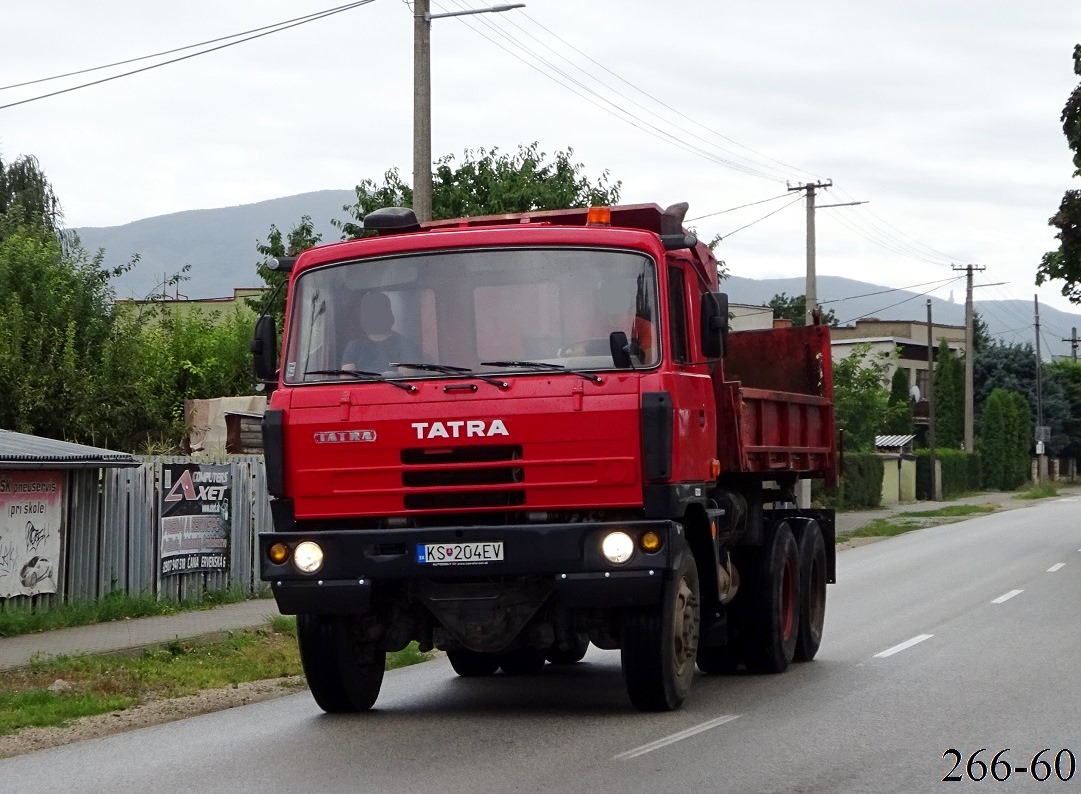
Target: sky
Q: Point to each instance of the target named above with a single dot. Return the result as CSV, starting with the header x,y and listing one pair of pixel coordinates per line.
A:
x,y
944,117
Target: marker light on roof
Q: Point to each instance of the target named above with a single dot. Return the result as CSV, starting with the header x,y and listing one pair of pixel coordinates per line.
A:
x,y
599,216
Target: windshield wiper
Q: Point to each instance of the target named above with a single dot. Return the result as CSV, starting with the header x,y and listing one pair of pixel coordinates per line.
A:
x,y
362,374
446,369
545,366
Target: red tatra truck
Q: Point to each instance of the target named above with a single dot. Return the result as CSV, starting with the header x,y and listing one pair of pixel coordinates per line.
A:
x,y
509,437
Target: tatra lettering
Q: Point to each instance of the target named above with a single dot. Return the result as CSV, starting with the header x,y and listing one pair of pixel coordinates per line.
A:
x,y
473,428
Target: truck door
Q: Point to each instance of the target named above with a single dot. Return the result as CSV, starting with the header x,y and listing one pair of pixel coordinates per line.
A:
x,y
695,410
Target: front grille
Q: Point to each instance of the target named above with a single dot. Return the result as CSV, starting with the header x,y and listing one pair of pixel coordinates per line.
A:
x,y
455,477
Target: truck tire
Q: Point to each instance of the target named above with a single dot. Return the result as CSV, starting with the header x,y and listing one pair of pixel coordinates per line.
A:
x,y
812,581
344,670
524,661
774,604
574,650
659,643
471,664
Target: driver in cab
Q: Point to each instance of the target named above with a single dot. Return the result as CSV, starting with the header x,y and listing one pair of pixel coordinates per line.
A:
x,y
379,344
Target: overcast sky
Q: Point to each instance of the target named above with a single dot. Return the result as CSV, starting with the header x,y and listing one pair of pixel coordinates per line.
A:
x,y
943,115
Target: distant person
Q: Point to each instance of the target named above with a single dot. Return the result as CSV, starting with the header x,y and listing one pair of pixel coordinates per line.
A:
x,y
380,344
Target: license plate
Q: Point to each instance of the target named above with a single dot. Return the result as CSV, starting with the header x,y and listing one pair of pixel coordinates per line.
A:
x,y
459,553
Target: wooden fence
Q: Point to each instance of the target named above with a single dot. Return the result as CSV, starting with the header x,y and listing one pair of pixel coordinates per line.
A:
x,y
111,535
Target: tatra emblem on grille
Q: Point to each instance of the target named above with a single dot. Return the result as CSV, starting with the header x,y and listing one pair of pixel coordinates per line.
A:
x,y
344,436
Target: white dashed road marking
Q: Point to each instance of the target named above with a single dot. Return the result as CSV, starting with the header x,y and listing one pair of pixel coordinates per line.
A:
x,y
903,646
1056,566
675,737
1006,596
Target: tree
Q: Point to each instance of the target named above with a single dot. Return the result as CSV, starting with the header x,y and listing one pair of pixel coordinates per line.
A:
x,y
795,309
1065,263
489,182
898,420
302,236
949,398
1066,375
860,397
27,198
1013,367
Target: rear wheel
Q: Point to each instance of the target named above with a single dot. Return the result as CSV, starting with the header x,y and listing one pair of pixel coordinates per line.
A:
x,y
660,642
344,667
471,664
524,661
774,604
812,609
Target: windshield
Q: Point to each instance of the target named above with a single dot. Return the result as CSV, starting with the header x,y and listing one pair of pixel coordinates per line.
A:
x,y
516,309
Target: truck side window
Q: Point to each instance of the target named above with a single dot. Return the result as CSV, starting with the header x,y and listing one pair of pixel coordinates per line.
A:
x,y
677,318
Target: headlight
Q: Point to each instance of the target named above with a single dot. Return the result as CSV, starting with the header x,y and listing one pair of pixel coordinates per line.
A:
x,y
617,547
308,557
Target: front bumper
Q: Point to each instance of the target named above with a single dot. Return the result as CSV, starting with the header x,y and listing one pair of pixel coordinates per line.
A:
x,y
567,555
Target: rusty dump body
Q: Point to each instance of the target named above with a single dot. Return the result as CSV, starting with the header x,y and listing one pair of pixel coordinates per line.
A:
x,y
776,387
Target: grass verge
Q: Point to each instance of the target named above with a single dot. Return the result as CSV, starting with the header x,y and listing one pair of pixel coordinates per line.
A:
x,y
909,521
56,691
115,606
1038,492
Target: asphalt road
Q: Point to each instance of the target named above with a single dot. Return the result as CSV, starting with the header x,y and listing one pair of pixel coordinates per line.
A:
x,y
961,637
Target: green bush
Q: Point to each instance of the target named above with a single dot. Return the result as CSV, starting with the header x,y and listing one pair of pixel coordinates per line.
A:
x,y
862,475
960,472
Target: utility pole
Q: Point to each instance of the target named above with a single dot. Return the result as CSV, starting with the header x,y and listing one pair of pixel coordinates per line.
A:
x,y
1073,340
1041,460
931,403
422,99
422,111
810,293
970,356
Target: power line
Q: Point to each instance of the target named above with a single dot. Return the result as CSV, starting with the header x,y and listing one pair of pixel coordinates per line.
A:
x,y
733,209
887,291
899,303
277,29
752,223
170,52
615,109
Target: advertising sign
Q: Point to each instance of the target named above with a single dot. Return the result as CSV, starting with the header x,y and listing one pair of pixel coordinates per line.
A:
x,y
30,505
195,523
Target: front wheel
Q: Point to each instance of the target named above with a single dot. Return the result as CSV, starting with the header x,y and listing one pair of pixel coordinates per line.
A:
x,y
342,662
660,643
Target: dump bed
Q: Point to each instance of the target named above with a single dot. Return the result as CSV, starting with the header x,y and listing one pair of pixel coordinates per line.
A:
x,y
774,394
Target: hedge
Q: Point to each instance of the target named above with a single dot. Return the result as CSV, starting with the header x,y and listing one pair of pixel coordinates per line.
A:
x,y
960,472
860,486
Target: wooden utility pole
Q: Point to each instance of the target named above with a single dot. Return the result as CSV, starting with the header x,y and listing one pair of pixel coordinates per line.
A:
x,y
422,111
1073,340
931,403
1041,459
810,292
970,357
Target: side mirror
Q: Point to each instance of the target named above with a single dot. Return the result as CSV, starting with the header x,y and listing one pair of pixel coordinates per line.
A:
x,y
621,349
264,349
714,324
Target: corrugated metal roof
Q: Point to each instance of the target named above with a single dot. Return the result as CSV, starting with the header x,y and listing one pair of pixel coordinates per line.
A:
x,y
893,441
22,451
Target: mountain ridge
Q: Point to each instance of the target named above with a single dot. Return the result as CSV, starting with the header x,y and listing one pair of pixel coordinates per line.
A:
x,y
220,245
